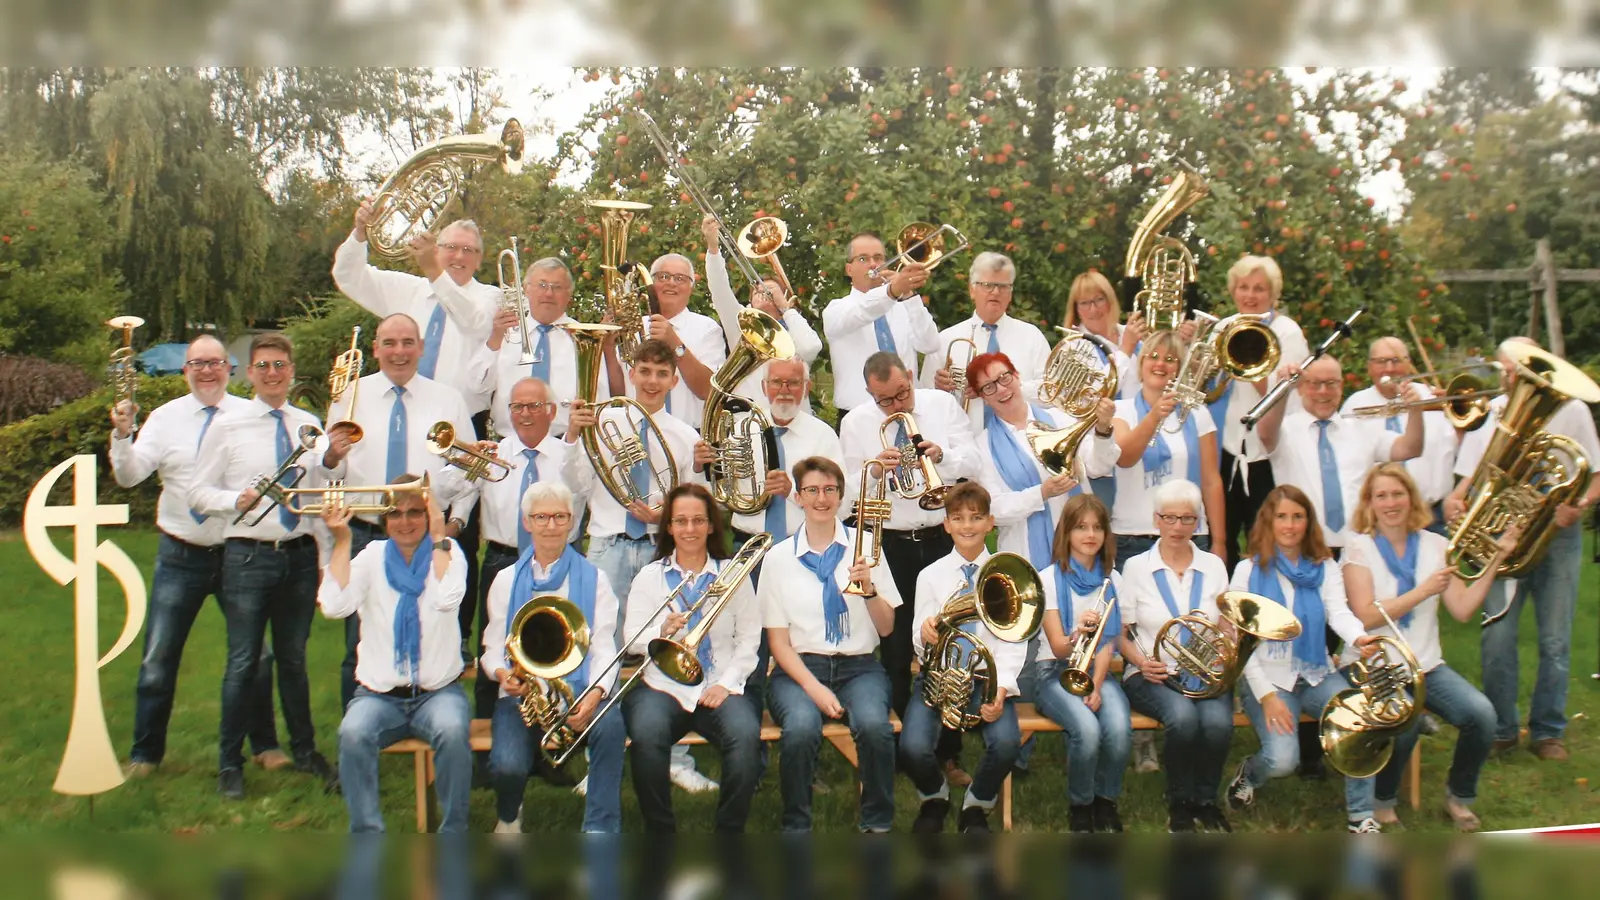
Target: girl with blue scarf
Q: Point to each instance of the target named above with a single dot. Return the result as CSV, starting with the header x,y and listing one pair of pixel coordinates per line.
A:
x,y
1288,561
1097,727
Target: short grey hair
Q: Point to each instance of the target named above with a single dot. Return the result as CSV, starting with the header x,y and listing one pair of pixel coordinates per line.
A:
x,y
990,261
466,225
677,256
879,366
1250,265
548,264
1178,492
805,367
540,491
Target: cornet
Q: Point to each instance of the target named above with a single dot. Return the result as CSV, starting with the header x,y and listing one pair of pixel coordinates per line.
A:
x,y
1078,675
958,371
1358,726
271,487
124,374
513,300
469,459
915,477
873,510
386,497
922,243
345,375
415,199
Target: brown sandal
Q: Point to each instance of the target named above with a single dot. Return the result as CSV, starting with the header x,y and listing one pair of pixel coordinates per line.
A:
x,y
1466,821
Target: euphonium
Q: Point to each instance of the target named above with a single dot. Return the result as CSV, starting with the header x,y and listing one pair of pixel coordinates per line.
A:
x,y
1008,597
958,371
1160,270
1076,383
273,488
512,299
1205,660
441,441
1526,472
1240,346
915,478
1078,674
627,283
873,510
732,423
413,201
548,639
606,440
923,243
345,375
124,374
1358,726
337,492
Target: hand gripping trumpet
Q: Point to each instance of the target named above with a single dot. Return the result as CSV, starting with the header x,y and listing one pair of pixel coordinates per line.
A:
x,y
345,375
547,641
1078,674
1008,598
385,497
732,423
513,300
1358,726
474,462
124,374
873,510
915,478
272,487
1208,660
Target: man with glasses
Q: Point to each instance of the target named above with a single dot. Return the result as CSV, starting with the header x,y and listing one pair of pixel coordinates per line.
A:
x,y
695,341
269,558
189,557
395,407
880,314
1388,360
990,284
914,537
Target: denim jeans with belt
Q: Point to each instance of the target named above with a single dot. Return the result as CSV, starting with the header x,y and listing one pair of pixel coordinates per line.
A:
x,y
1197,734
373,721
1554,586
1098,741
863,690
919,735
1279,755
515,749
656,722
1455,700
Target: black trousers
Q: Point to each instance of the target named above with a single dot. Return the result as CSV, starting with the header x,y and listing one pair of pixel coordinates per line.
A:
x,y
1244,492
907,554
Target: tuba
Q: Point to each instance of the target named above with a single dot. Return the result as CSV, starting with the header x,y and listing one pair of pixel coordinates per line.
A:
x,y
548,639
385,497
1526,472
441,441
415,199
731,423
1008,598
1206,659
124,373
915,478
627,283
925,244
1078,675
1240,346
345,375
606,439
1075,383
512,299
1358,726
1159,273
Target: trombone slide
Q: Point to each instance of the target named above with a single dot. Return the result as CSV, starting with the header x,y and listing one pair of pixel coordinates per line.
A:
x,y
1281,390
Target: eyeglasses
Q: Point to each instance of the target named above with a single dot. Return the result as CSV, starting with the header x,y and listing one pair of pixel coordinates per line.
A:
x,y
1000,286
826,490
786,384
276,365
1388,360
543,519
541,406
1169,519
1330,385
415,515
1003,380
672,277
886,402
1169,360
1092,302
553,286
207,364
690,521
467,249
868,258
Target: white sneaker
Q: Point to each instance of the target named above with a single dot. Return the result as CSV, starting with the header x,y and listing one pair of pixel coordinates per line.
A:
x,y
692,781
1369,825
582,787
1241,793
1144,752
509,827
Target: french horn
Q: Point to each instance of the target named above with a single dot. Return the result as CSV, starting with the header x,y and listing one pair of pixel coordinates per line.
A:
x,y
1358,726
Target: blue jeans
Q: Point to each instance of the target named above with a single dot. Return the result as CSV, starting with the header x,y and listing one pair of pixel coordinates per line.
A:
x,y
185,575
1456,701
361,534
1554,585
515,750
1198,733
261,584
374,721
919,737
1098,741
1279,755
621,559
862,687
656,722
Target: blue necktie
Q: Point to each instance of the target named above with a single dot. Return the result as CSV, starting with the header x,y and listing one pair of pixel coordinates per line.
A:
x,y
778,509
970,571
211,413
396,465
994,338
1393,424
1332,492
285,447
880,327
540,367
431,339
530,474
640,475
689,601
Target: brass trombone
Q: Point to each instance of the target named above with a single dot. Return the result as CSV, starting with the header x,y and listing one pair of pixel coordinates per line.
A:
x,y
1207,661
1358,727
343,375
338,493
1078,674
548,640
124,373
873,510
1465,400
475,463
512,299
415,199
271,487
731,423
915,477
923,243
606,438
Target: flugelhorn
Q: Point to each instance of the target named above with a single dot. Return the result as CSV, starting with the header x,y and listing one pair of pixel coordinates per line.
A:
x,y
384,498
627,283
1159,271
1007,597
272,487
731,424
475,463
1078,674
1239,346
415,199
1206,660
345,375
958,370
915,478
1358,726
547,641
612,452
873,511
1281,390
513,300
123,371
925,244
1465,400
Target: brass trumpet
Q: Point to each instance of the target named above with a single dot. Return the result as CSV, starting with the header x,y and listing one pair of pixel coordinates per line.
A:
x,y
124,373
548,640
731,424
923,243
1007,597
272,487
337,492
1358,726
1078,675
915,478
1207,661
627,283
958,371
512,299
415,199
1465,400
606,438
475,463
873,509
345,375
1160,269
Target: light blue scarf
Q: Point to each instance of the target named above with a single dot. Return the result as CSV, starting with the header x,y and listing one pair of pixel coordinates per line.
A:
x,y
1311,647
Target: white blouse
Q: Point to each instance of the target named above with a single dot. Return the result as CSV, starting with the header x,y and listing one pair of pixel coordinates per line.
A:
x,y
1423,631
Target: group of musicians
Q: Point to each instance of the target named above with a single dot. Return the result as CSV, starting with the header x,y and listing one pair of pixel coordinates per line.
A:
x,y
1340,521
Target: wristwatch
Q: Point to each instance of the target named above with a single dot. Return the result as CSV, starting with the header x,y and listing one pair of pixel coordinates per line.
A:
x,y
442,545
680,350
456,521
1105,434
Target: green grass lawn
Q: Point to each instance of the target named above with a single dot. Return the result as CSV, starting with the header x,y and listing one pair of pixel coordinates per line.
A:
x,y
1516,792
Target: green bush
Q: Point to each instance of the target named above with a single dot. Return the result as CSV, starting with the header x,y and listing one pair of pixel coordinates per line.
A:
x,y
320,333
30,386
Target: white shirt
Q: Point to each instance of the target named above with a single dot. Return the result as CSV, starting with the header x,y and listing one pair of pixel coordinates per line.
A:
x,y
703,337
1095,458
938,583
167,443
243,446
847,323
1140,602
426,403
1423,632
1573,419
807,436
734,635
1431,471
941,421
807,345
494,373
606,516
1356,449
500,502
1025,344
1242,396
370,595
469,310
1134,510
1273,666
1077,605
603,636
790,596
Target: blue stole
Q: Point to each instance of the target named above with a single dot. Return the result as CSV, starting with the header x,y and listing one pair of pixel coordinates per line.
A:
x,y
1158,456
1076,581
580,590
1403,568
1311,647
408,579
1019,471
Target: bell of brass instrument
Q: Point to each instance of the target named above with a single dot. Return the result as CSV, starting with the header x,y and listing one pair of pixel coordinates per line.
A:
x,y
958,369
1205,659
1279,391
731,424
384,498
475,463
1464,400
612,452
548,640
1238,347
345,375
1526,472
873,510
1161,269
925,244
1080,371
416,198
1358,726
272,487
761,240
627,283
1078,675
915,478
512,299
124,374
1008,598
